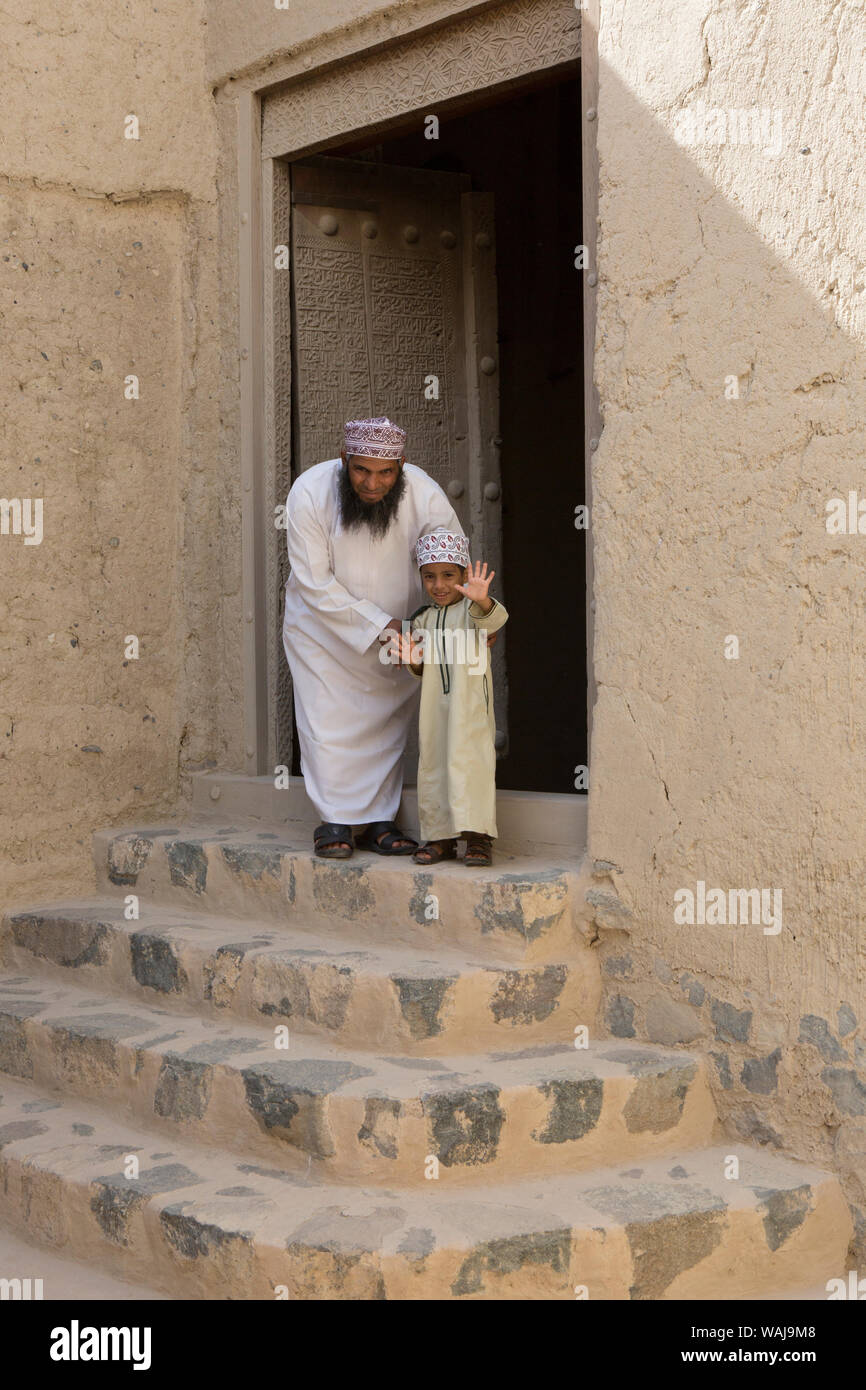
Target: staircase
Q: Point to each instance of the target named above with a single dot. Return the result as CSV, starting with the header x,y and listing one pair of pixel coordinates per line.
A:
x,y
358,1080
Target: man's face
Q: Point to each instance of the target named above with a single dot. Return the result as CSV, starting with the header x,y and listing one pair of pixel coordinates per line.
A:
x,y
371,478
370,492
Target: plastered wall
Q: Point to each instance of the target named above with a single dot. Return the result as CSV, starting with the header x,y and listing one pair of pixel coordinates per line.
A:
x,y
730,366
108,271
121,258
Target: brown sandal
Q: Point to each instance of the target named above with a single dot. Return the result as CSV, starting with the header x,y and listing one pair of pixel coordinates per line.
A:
x,y
434,851
478,850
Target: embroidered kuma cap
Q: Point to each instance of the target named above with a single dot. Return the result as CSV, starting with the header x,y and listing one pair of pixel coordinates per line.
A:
x,y
443,548
377,438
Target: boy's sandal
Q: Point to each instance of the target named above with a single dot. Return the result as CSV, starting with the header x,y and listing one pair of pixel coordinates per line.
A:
x,y
333,841
435,850
478,851
383,837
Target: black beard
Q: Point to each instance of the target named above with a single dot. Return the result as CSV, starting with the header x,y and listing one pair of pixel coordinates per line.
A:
x,y
355,512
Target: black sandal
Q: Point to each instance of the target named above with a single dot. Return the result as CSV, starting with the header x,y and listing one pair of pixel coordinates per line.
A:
x,y
478,850
434,851
333,841
382,836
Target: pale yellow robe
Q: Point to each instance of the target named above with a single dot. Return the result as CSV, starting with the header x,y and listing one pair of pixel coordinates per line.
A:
x,y
457,763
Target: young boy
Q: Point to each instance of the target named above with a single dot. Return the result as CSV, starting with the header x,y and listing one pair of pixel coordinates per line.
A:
x,y
448,650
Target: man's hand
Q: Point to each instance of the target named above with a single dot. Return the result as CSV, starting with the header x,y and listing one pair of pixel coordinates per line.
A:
x,y
411,652
398,648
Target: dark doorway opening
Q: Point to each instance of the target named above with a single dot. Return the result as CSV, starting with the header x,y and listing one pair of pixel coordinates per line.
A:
x,y
525,150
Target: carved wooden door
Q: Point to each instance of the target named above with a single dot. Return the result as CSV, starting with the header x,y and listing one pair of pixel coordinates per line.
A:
x,y
394,313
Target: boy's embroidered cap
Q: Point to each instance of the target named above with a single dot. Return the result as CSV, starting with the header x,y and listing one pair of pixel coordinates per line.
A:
x,y
377,438
443,548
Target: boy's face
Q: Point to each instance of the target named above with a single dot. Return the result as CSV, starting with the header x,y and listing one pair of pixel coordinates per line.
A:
x,y
440,582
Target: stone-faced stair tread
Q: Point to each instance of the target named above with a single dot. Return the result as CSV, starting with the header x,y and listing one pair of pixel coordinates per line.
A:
x,y
252,835
422,996
322,1067
63,1277
210,1198
425,959
359,1115
76,1135
526,904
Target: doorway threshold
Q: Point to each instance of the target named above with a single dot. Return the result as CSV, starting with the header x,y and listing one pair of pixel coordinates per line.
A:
x,y
553,821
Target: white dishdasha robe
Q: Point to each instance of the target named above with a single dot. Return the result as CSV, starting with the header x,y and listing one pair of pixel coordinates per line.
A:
x,y
352,712
457,763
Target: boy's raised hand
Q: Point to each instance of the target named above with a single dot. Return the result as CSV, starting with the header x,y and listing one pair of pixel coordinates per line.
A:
x,y
477,582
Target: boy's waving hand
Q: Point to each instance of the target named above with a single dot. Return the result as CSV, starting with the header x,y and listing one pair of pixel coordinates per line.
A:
x,y
477,584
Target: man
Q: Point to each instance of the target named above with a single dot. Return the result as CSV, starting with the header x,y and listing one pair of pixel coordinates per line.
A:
x,y
352,524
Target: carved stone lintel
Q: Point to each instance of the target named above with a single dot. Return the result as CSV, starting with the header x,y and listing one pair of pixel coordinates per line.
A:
x,y
422,72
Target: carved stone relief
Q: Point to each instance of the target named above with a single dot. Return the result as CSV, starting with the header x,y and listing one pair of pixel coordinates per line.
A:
x,y
421,73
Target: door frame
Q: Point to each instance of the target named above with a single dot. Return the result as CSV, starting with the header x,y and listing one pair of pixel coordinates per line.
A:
x,y
324,107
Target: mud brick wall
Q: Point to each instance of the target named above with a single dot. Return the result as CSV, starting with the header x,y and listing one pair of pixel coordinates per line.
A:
x,y
730,365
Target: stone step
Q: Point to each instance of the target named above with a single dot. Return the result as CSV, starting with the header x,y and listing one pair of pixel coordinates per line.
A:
x,y
356,1116
523,908
45,1276
197,1223
393,998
